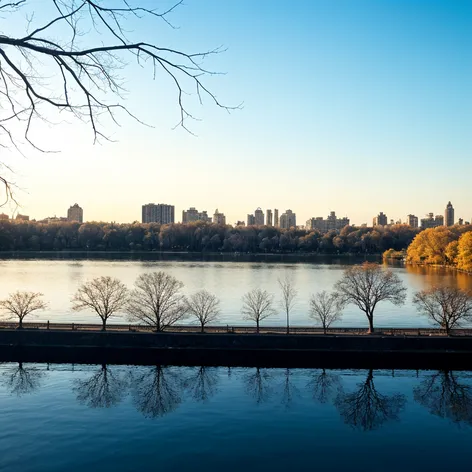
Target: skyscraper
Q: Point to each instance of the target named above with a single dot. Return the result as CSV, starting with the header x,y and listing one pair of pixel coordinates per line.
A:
x,y
449,215
219,218
75,213
251,220
288,219
259,217
380,220
160,213
192,214
412,221
269,221
276,217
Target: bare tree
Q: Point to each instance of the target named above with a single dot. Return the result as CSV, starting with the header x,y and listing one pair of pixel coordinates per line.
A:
x,y
447,306
367,285
67,62
21,304
204,306
326,308
289,293
257,306
157,301
104,295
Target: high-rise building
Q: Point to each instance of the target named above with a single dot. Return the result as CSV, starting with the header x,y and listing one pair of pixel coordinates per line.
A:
x,y
276,217
380,220
269,221
449,215
192,214
412,221
259,217
251,220
219,218
75,213
288,220
328,224
158,213
432,221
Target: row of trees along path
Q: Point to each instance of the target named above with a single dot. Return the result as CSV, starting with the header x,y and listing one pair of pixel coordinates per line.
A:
x,y
157,300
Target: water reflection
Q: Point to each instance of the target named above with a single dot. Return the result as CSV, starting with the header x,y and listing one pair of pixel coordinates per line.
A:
x,y
366,408
445,394
157,390
103,389
21,380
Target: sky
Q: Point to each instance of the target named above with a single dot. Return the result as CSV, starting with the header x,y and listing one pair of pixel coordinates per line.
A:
x,y
349,106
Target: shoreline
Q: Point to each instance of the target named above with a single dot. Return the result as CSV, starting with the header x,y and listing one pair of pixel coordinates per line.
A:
x,y
272,350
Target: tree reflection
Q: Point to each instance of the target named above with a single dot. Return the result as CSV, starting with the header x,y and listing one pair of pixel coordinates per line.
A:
x,y
103,389
324,385
258,385
156,390
21,380
289,390
202,383
445,396
367,409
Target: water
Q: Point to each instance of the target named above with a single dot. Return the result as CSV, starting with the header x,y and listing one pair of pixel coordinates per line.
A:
x,y
59,279
127,418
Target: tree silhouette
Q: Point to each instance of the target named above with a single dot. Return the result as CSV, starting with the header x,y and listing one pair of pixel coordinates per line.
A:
x,y
445,396
102,390
367,409
202,383
324,386
258,384
21,380
289,390
156,390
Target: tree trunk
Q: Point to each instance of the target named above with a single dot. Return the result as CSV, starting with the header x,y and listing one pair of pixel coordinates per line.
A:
x,y
203,328
104,324
288,323
257,326
324,329
20,325
371,324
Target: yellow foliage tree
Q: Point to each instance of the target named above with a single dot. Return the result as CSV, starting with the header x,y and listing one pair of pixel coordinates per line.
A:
x,y
464,252
451,252
429,246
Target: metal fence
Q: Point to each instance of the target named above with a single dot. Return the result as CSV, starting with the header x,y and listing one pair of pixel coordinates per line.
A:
x,y
301,330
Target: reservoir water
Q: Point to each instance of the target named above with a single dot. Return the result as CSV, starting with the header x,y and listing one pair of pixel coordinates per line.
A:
x,y
128,418
229,280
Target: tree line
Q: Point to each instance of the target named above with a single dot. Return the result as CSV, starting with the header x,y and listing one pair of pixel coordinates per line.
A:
x,y
157,300
450,246
198,237
158,390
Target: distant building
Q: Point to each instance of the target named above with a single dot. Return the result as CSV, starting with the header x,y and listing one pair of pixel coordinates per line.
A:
x,y
251,220
380,220
219,218
460,221
75,213
432,221
449,215
276,218
22,217
3,216
269,221
158,213
56,219
192,214
288,219
259,217
412,221
240,223
328,224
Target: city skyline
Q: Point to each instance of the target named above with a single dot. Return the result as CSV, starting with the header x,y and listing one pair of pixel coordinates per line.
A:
x,y
385,84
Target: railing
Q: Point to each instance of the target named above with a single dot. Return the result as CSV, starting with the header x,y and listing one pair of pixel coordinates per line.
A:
x,y
301,330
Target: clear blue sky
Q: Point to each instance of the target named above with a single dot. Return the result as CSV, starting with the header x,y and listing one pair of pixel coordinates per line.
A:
x,y
354,106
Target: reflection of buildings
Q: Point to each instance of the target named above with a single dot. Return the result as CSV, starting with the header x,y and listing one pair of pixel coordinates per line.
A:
x,y
160,213
380,220
219,218
432,221
75,213
288,220
192,214
325,225
449,215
